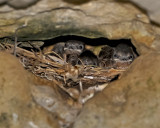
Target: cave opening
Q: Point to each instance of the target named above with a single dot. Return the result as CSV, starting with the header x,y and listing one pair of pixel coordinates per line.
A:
x,y
95,56
76,84
96,45
90,41
98,53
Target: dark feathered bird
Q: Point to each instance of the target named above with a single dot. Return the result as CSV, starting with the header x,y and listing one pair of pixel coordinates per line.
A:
x,y
120,56
88,58
67,49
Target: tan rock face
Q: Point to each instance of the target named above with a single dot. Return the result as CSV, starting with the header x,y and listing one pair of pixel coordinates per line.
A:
x,y
130,102
152,8
17,110
48,19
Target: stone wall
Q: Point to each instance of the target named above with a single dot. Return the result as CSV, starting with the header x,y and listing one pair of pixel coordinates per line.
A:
x,y
132,101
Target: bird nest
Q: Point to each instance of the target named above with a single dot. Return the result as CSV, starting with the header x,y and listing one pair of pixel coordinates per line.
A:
x,y
84,79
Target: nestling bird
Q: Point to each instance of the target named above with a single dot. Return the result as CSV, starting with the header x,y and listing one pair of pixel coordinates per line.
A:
x,y
106,57
59,48
123,53
74,47
120,56
88,58
67,49
72,59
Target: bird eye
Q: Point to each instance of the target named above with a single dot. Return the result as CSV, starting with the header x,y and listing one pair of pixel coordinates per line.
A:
x,y
130,57
79,62
80,47
65,45
115,56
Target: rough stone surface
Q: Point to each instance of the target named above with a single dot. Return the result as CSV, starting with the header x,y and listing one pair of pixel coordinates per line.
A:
x,y
151,7
131,102
17,109
55,101
18,4
48,19
21,3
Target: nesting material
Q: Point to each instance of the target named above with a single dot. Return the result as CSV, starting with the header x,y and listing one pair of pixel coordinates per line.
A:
x,y
84,80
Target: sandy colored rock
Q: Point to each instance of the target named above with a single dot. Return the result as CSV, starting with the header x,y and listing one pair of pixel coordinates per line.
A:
x,y
55,101
48,19
151,7
131,102
17,109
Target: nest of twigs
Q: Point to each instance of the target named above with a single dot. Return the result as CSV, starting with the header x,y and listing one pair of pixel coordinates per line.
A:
x,y
53,68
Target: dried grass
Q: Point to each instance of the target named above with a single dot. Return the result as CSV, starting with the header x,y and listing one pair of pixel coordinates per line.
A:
x,y
85,79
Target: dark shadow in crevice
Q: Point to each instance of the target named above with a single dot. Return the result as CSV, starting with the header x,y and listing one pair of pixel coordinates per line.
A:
x,y
155,23
115,78
88,41
76,2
